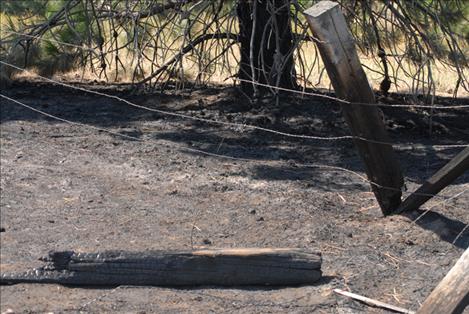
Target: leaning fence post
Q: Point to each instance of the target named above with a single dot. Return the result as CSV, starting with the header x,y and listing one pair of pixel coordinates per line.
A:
x,y
337,48
437,182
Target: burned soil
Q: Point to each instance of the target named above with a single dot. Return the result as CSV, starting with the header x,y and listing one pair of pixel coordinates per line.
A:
x,y
71,187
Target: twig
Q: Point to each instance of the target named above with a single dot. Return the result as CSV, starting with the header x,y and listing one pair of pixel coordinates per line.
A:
x,y
372,302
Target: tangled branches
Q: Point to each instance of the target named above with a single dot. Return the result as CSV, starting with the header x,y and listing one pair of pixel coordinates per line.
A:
x,y
156,42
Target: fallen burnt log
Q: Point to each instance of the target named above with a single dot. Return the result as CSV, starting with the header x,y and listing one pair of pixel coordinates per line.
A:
x,y
225,267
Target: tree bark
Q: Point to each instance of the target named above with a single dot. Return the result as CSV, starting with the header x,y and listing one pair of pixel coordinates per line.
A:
x,y
266,55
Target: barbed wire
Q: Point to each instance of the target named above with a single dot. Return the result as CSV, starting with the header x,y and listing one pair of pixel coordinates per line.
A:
x,y
324,167
427,209
238,126
342,101
216,155
293,91
193,150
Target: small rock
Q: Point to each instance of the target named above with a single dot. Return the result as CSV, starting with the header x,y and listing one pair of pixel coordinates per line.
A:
x,y
350,235
2,229
260,219
224,188
252,211
409,242
51,221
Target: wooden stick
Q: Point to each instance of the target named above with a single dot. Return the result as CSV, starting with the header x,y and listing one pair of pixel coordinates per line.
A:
x,y
373,302
337,48
226,267
441,179
451,296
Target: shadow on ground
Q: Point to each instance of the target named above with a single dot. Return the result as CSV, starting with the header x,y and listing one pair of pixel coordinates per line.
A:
x,y
450,230
295,115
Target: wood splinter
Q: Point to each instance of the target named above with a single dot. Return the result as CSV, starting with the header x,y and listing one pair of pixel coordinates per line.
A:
x,y
373,302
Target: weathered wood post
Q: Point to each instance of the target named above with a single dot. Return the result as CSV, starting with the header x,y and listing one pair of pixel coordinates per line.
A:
x,y
451,296
441,179
337,48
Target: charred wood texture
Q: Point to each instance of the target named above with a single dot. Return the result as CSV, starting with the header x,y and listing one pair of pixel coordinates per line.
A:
x,y
225,267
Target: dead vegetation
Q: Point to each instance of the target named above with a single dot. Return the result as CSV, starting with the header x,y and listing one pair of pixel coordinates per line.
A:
x,y
405,46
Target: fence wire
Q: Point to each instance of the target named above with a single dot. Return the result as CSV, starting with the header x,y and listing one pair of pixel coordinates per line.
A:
x,y
217,155
272,87
238,127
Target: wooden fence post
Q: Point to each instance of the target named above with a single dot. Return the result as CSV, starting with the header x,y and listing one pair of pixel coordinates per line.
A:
x,y
451,296
337,48
442,178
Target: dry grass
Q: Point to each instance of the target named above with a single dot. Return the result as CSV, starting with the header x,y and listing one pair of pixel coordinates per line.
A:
x,y
444,78
224,69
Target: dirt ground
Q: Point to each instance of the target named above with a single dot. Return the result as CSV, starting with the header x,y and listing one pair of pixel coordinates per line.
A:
x,y
68,187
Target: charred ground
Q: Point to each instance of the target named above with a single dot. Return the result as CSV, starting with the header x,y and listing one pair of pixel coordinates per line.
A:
x,y
68,187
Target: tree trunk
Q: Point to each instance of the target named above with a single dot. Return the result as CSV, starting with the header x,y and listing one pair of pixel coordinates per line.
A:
x,y
266,56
